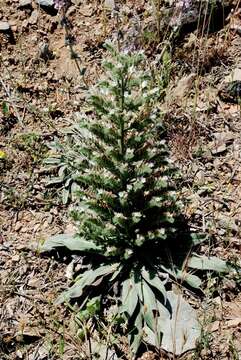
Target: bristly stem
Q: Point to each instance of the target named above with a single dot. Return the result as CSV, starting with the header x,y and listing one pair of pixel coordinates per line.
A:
x,y
122,116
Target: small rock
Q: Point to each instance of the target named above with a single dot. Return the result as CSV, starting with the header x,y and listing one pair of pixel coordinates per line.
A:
x,y
25,24
44,52
15,258
54,211
25,3
109,4
46,3
4,26
33,18
50,219
43,351
225,136
35,283
219,149
18,226
69,272
235,75
19,354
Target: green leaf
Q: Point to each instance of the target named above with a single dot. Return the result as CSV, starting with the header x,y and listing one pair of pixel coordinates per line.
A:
x,y
129,297
55,181
198,238
87,279
149,304
182,330
116,273
136,335
184,276
3,155
65,196
73,243
5,108
151,337
154,280
208,263
192,280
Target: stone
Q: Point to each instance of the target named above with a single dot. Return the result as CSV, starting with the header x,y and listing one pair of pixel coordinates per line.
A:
x,y
109,4
25,3
15,258
235,75
35,283
46,3
219,149
4,26
33,18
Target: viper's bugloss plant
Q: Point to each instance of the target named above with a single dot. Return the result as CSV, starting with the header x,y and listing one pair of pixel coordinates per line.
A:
x,y
126,200
127,213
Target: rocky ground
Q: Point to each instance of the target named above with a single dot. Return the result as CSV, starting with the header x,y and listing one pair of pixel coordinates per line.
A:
x,y
41,89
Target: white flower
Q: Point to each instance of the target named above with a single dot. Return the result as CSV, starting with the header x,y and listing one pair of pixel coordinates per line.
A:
x,y
144,84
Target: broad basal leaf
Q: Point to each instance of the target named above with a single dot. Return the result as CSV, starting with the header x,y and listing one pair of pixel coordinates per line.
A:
x,y
153,312
88,278
136,335
149,306
184,276
73,243
181,332
154,280
129,297
208,263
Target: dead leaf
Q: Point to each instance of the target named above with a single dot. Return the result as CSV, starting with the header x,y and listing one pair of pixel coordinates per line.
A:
x,y
183,86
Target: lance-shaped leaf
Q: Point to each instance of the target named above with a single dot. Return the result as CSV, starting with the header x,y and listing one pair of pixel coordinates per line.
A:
x,y
129,298
208,263
73,243
182,330
182,275
136,335
87,279
154,280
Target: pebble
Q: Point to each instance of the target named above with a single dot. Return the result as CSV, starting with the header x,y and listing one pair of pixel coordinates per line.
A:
x,y
35,283
18,226
33,18
25,3
25,24
47,3
15,258
4,26
109,4
219,149
19,354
